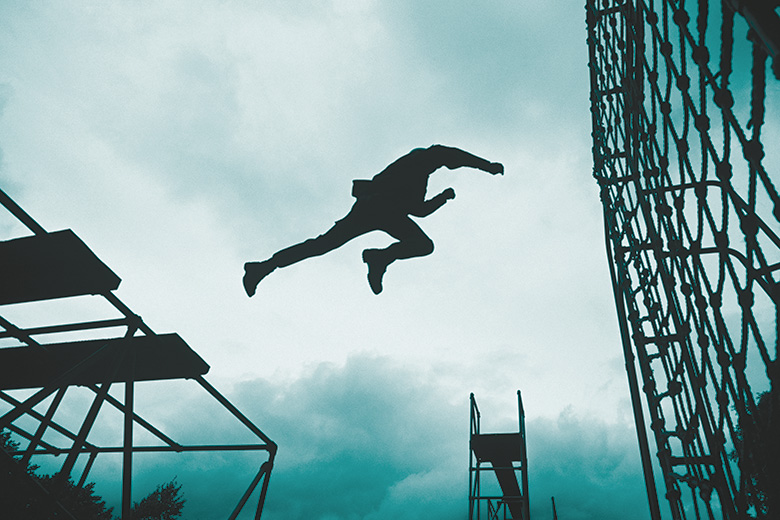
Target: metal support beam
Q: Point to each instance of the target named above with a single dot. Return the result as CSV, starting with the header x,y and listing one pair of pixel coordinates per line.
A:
x,y
81,437
27,435
27,405
12,331
265,471
524,460
87,448
127,455
20,214
44,425
67,327
52,424
90,461
261,501
236,413
633,386
138,419
43,393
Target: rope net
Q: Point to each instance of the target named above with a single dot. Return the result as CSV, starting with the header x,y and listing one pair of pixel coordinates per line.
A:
x,y
682,102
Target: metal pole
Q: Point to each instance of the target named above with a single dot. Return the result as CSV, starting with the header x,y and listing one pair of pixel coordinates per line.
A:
x,y
26,406
264,488
473,472
43,393
27,435
89,420
242,502
138,419
633,387
471,457
22,215
524,462
127,451
35,415
12,331
92,456
44,424
236,413
633,80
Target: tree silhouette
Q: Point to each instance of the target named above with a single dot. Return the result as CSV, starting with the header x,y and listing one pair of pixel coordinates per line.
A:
x,y
79,501
758,452
164,503
24,495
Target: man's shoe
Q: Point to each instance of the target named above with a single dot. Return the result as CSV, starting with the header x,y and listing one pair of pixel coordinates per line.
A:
x,y
253,273
377,266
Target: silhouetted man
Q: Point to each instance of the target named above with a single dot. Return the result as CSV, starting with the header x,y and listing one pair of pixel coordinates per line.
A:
x,y
383,203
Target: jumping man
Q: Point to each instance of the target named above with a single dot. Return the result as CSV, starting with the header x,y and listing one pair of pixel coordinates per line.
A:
x,y
384,203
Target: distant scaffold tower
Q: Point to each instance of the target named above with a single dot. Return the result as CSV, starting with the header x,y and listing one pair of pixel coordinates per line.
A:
x,y
684,98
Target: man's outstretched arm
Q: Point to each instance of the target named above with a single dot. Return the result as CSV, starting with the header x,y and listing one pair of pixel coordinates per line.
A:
x,y
456,158
431,205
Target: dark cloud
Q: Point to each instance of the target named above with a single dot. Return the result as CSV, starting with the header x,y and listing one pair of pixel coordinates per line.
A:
x,y
591,468
377,440
353,437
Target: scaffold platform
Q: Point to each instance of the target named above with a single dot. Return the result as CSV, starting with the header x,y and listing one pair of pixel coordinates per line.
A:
x,y
40,371
141,358
51,265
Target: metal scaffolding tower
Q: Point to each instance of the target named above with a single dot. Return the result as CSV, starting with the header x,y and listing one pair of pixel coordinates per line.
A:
x,y
681,102
504,455
40,369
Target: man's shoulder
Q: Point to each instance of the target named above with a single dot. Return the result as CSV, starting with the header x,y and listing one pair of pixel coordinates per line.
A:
x,y
417,159
363,187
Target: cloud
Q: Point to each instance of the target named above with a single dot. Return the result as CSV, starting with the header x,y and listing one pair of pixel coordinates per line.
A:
x,y
591,467
374,439
377,440
353,434
503,66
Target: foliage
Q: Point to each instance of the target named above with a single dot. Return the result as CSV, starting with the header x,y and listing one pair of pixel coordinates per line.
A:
x,y
164,503
79,501
758,452
24,495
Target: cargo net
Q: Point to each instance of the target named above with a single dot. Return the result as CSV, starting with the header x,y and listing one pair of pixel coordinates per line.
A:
x,y
683,97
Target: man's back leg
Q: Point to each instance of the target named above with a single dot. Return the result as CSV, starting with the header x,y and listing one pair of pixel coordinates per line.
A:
x,y
342,232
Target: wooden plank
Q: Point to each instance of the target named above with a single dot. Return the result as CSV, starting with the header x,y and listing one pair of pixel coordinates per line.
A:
x,y
159,357
501,450
52,265
493,446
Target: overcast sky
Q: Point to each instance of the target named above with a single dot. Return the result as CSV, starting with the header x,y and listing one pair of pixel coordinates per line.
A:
x,y
182,139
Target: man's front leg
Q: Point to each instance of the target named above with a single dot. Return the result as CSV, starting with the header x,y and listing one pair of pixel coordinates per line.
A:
x,y
377,261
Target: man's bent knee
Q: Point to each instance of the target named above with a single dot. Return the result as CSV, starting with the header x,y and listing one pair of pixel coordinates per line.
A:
x,y
426,247
418,247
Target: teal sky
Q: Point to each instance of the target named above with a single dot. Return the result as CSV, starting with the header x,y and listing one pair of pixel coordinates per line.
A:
x,y
181,139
